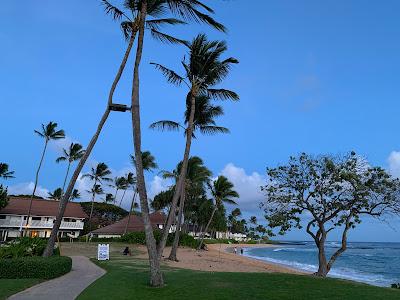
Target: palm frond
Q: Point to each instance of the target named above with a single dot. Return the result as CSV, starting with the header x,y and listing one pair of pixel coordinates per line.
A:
x,y
60,159
171,76
222,94
211,130
158,23
112,10
165,38
166,125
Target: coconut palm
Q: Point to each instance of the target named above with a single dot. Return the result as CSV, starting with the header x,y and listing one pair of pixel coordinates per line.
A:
x,y
197,176
73,153
49,133
109,198
119,184
57,194
75,195
5,173
149,164
203,70
130,181
98,175
222,192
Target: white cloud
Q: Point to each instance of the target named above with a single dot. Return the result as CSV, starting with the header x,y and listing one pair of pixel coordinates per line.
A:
x,y
394,163
157,185
26,188
248,187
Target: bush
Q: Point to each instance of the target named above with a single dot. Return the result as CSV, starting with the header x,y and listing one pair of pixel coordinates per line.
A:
x,y
35,267
140,238
395,285
23,247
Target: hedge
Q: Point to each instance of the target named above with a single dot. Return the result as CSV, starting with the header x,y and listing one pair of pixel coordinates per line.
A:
x,y
35,267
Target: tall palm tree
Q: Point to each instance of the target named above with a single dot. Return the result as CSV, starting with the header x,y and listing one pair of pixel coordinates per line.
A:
x,y
98,175
130,181
5,173
197,176
75,195
149,164
203,70
49,133
119,184
57,194
222,192
73,153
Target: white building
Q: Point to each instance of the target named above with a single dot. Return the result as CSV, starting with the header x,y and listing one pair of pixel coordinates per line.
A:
x,y
42,217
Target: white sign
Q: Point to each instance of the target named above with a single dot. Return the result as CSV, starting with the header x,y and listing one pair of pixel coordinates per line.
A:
x,y
103,252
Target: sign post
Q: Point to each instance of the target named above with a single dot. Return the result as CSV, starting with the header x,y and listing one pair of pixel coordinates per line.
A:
x,y
103,252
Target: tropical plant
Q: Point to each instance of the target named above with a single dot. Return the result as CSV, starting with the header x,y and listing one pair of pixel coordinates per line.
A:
x,y
75,195
130,181
109,198
203,70
73,153
56,195
5,173
49,133
119,184
98,175
222,192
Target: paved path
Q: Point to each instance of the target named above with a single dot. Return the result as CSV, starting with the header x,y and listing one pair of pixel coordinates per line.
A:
x,y
66,287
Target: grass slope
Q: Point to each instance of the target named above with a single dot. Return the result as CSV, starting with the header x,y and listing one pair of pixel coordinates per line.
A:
x,y
9,287
127,278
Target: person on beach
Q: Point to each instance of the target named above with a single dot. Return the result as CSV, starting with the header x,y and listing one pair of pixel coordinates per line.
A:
x,y
127,251
241,251
235,250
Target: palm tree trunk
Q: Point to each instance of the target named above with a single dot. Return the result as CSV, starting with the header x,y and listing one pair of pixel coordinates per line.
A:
x,y
156,278
182,175
206,229
174,250
122,198
63,204
91,209
130,212
66,176
115,196
35,186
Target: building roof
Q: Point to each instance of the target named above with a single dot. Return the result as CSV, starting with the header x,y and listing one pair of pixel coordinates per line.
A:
x,y
135,224
41,207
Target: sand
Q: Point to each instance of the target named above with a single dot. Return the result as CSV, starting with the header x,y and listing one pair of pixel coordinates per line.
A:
x,y
219,258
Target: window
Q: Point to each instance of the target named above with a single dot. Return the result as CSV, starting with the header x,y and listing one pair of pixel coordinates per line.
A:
x,y
36,218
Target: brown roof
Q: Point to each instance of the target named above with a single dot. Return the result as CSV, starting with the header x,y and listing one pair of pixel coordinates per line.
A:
x,y
41,207
135,224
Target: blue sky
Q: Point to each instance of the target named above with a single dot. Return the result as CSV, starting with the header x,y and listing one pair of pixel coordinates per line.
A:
x,y
314,76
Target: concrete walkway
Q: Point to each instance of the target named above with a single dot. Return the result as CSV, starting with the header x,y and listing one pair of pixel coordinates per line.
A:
x,y
66,287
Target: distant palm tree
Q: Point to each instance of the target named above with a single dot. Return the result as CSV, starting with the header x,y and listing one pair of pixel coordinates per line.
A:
x,y
149,164
253,220
109,198
222,192
75,195
4,171
203,71
48,132
74,153
130,181
98,175
119,184
57,194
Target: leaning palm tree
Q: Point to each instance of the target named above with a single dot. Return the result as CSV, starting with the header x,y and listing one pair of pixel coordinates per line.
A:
x,y
130,181
222,192
5,173
98,175
197,176
73,153
119,184
204,69
130,26
149,164
49,133
56,195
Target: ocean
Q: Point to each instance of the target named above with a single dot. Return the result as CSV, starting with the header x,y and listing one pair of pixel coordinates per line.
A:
x,y
373,263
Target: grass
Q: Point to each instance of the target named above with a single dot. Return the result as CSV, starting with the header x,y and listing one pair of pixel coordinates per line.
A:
x,y
128,277
9,287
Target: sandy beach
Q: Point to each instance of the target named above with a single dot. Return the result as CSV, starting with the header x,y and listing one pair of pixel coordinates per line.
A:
x,y
219,258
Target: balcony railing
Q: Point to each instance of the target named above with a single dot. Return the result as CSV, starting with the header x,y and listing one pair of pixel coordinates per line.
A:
x,y
41,224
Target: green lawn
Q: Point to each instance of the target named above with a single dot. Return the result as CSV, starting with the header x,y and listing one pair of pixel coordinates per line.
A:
x,y
127,278
9,287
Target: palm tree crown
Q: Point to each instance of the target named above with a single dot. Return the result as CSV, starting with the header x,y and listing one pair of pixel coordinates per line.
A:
x,y
49,132
4,171
99,173
73,153
222,191
148,161
57,194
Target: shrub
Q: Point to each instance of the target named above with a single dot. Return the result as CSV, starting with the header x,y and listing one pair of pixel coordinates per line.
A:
x,y
35,267
23,247
395,285
140,238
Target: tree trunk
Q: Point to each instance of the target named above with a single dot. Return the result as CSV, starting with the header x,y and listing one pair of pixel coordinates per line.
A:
x,y
63,203
206,229
174,250
130,212
156,278
91,209
322,262
122,198
35,186
115,196
66,176
182,175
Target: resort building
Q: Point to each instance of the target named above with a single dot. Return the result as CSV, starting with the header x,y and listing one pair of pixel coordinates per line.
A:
x,y
43,214
136,224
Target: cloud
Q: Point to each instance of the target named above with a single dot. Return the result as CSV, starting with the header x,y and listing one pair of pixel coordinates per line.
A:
x,y
394,163
26,188
157,185
247,185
